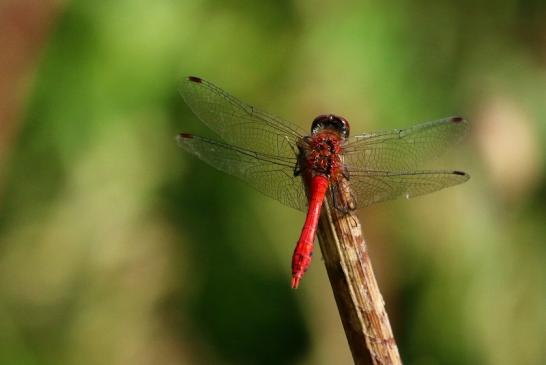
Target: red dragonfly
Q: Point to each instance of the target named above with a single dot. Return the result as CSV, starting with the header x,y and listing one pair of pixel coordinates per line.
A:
x,y
277,158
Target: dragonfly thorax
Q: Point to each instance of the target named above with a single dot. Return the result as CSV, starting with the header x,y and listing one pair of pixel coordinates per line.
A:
x,y
322,154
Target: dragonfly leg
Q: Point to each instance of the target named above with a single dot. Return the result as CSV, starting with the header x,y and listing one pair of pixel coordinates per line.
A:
x,y
297,169
345,173
334,192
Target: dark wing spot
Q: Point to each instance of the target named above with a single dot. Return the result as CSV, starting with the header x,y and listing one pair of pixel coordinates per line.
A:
x,y
457,119
195,79
460,173
185,135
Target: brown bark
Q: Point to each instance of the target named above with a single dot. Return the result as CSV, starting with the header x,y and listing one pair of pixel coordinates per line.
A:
x,y
359,301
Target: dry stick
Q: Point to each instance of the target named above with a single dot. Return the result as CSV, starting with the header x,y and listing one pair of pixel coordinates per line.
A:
x,y
357,294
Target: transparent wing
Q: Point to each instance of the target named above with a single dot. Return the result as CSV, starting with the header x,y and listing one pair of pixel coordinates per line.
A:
x,y
238,123
371,187
272,176
403,149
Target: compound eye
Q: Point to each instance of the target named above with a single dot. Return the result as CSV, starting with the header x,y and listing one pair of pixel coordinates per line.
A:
x,y
319,123
344,126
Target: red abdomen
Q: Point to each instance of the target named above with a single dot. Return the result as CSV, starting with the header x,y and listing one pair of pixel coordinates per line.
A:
x,y
304,248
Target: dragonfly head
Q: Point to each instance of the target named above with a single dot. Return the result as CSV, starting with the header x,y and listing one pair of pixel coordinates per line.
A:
x,y
332,122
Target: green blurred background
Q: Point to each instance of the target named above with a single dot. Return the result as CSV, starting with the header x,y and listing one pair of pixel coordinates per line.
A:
x,y
117,247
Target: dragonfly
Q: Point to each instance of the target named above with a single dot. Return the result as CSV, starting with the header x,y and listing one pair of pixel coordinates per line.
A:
x,y
299,169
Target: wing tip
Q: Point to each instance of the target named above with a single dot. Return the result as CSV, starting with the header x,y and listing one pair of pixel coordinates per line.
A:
x,y
182,137
195,79
457,119
461,173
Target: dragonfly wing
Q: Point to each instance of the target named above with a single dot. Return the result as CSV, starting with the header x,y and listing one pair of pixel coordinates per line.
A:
x,y
371,187
238,123
272,176
403,149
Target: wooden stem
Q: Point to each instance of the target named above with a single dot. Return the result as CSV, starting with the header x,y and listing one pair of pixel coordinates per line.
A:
x,y
359,301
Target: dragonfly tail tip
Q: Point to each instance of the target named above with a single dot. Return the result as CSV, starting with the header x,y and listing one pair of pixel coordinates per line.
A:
x,y
295,282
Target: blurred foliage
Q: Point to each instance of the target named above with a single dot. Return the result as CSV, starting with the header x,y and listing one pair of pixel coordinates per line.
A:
x,y
118,248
